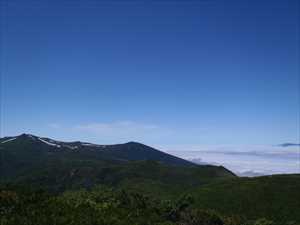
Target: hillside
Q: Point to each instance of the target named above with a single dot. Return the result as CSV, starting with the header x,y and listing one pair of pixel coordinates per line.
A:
x,y
62,165
274,197
33,146
248,201
41,175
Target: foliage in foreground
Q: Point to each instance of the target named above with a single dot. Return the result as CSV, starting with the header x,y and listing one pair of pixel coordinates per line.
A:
x,y
104,206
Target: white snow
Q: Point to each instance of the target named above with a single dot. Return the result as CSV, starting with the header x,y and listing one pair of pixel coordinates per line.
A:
x,y
57,144
71,147
48,143
88,144
93,145
8,140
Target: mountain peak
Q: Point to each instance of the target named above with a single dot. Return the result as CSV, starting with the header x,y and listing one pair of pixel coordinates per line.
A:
x,y
130,151
24,135
133,143
288,144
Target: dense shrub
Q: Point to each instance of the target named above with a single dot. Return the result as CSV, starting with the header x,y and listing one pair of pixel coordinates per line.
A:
x,y
105,206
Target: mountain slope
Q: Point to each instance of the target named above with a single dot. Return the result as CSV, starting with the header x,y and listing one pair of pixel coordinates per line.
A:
x,y
60,166
275,197
46,162
26,144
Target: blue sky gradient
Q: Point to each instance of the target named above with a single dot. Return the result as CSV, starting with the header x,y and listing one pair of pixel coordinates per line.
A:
x,y
160,72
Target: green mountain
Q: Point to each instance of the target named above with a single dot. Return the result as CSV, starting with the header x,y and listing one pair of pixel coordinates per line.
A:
x,y
272,200
61,165
44,181
275,197
33,146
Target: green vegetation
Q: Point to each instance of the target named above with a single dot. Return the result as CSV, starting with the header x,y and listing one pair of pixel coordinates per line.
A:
x,y
106,206
274,197
30,161
272,200
45,185
143,176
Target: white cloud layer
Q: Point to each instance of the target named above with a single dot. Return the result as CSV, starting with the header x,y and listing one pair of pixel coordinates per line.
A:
x,y
244,159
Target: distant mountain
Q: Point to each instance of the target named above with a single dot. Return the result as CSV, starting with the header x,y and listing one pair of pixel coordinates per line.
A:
x,y
44,161
288,144
131,151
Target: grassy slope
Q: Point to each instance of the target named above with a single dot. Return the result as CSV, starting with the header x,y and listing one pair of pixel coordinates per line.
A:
x,y
144,176
273,197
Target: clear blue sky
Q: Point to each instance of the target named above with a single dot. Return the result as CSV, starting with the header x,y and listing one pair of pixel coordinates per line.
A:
x,y
169,72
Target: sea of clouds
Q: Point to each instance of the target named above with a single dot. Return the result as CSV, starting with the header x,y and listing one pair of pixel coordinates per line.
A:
x,y
254,160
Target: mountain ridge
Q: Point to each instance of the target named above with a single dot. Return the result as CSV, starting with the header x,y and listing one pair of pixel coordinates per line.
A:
x,y
289,145
43,161
130,150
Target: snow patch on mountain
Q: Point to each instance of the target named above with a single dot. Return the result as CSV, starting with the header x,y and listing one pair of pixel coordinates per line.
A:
x,y
89,144
12,139
49,143
93,145
71,147
54,143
